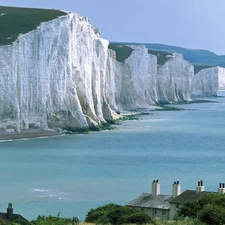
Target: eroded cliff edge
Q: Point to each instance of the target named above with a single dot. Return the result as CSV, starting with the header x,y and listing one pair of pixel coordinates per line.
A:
x,y
57,76
63,76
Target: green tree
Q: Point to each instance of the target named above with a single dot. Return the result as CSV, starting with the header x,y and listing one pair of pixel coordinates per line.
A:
x,y
116,215
190,209
210,209
212,214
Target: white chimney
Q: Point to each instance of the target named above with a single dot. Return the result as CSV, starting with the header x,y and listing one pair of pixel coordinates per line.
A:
x,y
221,189
176,189
200,187
155,188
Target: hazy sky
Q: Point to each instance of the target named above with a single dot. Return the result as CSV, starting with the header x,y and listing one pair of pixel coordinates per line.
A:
x,y
195,24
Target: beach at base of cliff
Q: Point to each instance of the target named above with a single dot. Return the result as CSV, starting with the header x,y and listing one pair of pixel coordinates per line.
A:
x,y
28,133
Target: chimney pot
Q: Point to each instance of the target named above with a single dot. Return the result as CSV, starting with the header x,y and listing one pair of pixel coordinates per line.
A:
x,y
9,212
155,187
200,187
175,189
221,189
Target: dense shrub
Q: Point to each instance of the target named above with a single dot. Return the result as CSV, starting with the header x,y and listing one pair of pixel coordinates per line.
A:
x,y
209,209
190,209
212,214
116,214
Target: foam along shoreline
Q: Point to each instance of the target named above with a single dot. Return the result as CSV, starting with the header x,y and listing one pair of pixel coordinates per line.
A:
x,y
29,133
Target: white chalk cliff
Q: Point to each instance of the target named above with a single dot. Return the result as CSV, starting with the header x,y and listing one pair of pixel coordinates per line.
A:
x,y
63,76
57,76
208,81
140,82
174,79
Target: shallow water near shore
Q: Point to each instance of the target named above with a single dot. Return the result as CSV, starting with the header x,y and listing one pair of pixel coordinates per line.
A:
x,y
74,173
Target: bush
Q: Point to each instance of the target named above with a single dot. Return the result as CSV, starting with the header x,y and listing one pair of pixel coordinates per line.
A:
x,y
18,222
212,215
189,209
54,220
209,209
116,215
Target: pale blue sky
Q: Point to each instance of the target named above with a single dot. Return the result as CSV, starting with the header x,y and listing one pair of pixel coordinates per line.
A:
x,y
195,24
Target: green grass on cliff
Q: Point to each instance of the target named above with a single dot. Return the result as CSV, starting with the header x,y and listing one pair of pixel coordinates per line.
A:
x,y
198,67
122,51
162,57
15,21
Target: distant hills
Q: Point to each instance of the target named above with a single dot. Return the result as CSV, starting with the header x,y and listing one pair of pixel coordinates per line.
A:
x,y
199,58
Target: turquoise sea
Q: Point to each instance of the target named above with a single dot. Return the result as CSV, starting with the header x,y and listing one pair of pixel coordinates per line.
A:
x,y
72,174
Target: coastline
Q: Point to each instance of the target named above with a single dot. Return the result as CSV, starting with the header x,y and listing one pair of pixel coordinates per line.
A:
x,y
29,133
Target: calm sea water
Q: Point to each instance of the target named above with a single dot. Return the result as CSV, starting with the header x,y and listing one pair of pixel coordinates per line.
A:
x,y
72,174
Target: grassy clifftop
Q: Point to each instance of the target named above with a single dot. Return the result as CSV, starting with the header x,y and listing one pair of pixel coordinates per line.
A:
x,y
122,51
15,21
162,57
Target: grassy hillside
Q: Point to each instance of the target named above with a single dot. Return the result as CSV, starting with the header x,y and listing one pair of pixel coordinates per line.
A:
x,y
162,57
15,21
122,51
198,67
201,57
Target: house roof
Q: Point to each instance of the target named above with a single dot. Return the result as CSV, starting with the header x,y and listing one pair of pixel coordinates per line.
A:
x,y
188,195
4,216
146,200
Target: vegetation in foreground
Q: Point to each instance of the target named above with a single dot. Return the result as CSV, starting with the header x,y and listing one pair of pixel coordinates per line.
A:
x,y
51,220
208,210
15,21
116,215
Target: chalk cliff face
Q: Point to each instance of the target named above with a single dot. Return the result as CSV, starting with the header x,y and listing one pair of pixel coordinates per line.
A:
x,y
62,75
136,80
174,79
142,83
207,81
57,76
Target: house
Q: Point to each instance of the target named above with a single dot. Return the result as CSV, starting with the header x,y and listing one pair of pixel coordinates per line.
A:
x,y
10,216
165,207
156,205
188,195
